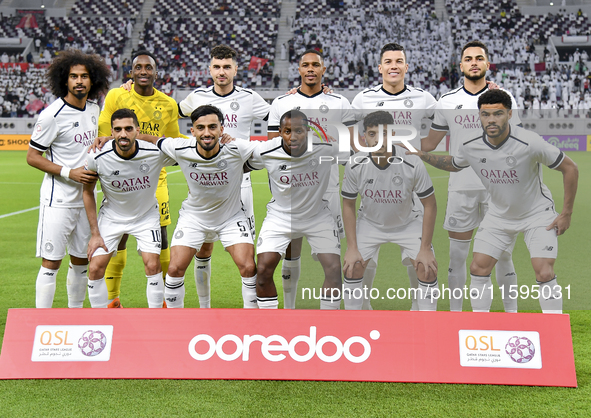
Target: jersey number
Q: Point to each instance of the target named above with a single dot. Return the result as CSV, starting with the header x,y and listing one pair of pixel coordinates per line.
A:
x,y
155,235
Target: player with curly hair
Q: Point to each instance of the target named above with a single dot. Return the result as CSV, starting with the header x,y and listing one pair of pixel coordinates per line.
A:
x,y
63,133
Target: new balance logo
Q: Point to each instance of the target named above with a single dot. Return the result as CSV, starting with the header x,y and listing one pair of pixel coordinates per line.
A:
x,y
76,124
286,276
459,106
283,167
48,274
380,104
153,283
115,173
449,270
194,165
548,248
244,235
510,274
370,181
483,160
171,299
201,267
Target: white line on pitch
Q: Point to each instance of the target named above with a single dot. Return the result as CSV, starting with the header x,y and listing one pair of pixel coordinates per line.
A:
x,y
19,212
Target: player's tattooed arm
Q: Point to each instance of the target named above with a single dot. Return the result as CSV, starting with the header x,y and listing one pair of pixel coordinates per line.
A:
x,y
442,162
570,175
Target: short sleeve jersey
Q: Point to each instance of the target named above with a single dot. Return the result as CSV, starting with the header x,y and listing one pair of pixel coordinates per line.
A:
x,y
297,183
387,192
214,183
64,133
157,114
512,172
240,107
321,109
408,107
128,184
457,113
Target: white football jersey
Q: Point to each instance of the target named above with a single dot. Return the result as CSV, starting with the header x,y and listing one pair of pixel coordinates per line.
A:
x,y
457,113
128,184
64,133
240,108
512,172
214,183
321,109
387,192
297,183
409,106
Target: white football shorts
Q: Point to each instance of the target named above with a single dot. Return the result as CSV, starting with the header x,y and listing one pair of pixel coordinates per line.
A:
x,y
465,210
59,228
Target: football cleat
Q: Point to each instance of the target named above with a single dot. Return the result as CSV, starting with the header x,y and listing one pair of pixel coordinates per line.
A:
x,y
115,304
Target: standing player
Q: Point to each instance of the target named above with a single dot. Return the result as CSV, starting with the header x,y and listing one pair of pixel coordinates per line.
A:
x,y
320,108
63,132
457,112
128,170
158,116
408,105
240,107
213,209
298,180
508,159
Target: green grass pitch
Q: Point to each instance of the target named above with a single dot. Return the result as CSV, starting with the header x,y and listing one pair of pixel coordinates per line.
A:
x,y
19,190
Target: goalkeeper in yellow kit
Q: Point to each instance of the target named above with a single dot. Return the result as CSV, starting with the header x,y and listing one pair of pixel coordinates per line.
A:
x,y
158,116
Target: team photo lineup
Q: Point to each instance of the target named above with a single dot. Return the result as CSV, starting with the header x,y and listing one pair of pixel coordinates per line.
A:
x,y
346,176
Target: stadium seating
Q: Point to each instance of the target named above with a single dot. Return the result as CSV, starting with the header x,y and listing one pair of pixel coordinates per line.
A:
x,y
92,7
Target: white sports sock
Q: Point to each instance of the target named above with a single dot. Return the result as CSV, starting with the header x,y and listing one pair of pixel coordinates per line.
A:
x,y
174,292
368,276
98,293
330,304
155,290
353,293
550,296
76,283
290,271
414,284
506,277
267,302
45,287
249,292
456,277
202,270
480,293
427,296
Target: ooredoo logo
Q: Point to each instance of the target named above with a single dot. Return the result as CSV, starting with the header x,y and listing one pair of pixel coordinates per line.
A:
x,y
273,346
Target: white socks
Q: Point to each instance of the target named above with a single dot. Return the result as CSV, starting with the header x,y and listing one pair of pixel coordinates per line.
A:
x,y
45,287
427,296
506,277
202,270
456,278
330,304
480,293
174,292
155,290
368,276
550,296
290,272
98,293
249,292
267,302
353,293
76,283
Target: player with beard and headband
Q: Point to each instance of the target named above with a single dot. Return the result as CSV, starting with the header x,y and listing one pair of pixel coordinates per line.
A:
x,y
158,116
298,179
408,105
387,180
507,159
64,131
128,170
457,113
320,108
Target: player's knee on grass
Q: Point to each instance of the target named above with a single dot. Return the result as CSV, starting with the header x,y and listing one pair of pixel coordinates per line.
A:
x,y
205,251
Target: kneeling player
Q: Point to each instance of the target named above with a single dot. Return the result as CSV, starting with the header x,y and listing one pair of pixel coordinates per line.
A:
x,y
128,170
507,160
386,180
298,179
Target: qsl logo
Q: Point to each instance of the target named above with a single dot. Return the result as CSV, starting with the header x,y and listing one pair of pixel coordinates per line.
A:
x,y
520,349
92,343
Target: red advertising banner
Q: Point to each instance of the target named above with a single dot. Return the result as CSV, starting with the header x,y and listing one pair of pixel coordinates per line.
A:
x,y
386,346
